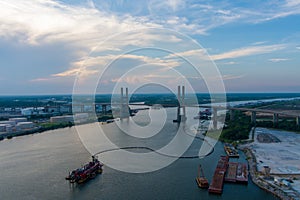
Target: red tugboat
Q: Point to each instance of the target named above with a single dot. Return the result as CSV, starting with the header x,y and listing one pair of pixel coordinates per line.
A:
x,y
86,172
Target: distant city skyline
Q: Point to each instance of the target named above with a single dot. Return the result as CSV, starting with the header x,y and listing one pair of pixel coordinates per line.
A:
x,y
44,45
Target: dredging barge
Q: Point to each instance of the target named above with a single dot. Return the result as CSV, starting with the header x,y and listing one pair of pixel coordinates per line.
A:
x,y
88,171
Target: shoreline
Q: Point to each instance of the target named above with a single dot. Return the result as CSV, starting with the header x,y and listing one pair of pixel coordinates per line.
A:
x,y
41,129
252,163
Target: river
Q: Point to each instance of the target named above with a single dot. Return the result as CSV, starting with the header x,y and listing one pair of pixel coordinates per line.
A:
x,y
34,167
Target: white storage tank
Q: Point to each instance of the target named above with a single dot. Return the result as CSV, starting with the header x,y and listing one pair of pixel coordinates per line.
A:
x,y
81,117
3,127
9,128
24,125
18,119
13,123
61,119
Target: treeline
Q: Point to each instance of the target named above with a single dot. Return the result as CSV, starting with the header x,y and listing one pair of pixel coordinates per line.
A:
x,y
237,129
285,124
240,127
52,126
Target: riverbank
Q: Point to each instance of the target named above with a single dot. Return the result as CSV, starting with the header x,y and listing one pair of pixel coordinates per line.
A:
x,y
51,126
281,156
259,181
35,130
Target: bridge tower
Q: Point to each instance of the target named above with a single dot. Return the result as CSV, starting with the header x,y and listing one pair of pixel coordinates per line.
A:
x,y
124,105
215,118
275,119
181,113
104,109
231,114
253,117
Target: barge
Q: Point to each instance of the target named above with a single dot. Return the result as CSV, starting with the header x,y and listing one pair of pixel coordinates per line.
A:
x,y
237,173
231,151
202,182
216,185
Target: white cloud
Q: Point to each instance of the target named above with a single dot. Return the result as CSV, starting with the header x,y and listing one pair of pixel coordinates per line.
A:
x,y
155,6
93,65
195,52
231,77
37,22
229,63
259,43
248,51
278,59
292,3
223,77
44,79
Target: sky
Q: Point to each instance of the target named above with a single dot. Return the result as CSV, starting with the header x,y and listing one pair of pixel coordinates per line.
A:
x,y
85,46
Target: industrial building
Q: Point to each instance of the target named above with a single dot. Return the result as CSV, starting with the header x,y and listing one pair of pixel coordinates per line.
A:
x,y
81,117
62,119
18,119
12,123
16,124
24,126
32,111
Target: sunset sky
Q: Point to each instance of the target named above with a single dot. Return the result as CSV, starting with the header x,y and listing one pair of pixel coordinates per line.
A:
x,y
45,45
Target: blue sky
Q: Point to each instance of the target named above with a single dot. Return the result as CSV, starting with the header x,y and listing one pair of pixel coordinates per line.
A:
x,y
49,46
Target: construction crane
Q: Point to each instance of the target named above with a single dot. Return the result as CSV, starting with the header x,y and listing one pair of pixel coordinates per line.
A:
x,y
200,179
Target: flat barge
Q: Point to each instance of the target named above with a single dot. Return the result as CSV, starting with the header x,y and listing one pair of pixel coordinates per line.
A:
x,y
216,185
231,172
237,173
242,173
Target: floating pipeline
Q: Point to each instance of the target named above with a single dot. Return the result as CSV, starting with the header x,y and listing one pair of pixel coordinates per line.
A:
x,y
167,155
153,150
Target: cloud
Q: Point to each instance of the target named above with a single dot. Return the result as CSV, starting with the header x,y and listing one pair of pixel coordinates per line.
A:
x,y
248,51
259,43
229,63
43,79
223,77
278,59
93,65
231,77
76,71
167,5
189,53
38,22
278,9
292,3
